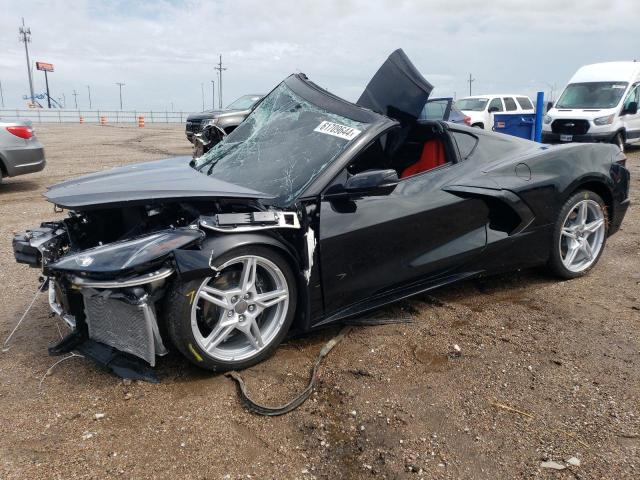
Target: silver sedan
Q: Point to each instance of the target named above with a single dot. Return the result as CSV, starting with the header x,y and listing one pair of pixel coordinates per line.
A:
x,y
20,150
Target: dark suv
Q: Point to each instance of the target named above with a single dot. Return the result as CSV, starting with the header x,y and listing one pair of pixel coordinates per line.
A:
x,y
226,119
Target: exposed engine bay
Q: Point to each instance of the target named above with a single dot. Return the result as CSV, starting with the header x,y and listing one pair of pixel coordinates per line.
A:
x,y
108,270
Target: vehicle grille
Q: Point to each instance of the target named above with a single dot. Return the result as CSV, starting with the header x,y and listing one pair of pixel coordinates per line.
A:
x,y
193,126
120,325
570,127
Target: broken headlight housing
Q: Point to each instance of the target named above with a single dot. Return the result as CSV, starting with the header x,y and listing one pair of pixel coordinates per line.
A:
x,y
128,254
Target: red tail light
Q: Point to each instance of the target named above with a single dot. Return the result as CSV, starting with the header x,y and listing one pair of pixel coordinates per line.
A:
x,y
467,120
21,131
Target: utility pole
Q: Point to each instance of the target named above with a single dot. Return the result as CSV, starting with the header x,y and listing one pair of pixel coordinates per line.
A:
x,y
1,95
471,80
25,36
120,85
202,88
75,98
89,89
219,69
64,100
213,94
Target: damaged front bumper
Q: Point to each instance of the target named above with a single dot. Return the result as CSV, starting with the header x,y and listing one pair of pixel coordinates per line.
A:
x,y
108,294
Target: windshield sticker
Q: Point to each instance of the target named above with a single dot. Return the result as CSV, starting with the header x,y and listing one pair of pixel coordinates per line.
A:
x,y
337,130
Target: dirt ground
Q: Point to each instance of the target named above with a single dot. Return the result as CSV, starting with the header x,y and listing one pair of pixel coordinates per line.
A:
x,y
548,370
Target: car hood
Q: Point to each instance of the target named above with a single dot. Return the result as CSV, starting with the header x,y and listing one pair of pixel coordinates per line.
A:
x,y
209,115
397,90
159,180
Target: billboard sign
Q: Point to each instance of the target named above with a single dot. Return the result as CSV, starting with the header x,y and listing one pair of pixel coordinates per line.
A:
x,y
46,67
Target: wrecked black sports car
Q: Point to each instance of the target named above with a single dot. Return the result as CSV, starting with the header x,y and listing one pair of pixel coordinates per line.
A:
x,y
313,210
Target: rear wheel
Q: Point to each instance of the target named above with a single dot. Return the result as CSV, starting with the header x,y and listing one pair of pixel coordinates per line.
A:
x,y
579,236
238,317
619,141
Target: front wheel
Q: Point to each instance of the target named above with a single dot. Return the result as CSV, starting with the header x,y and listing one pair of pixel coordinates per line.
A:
x,y
579,235
236,318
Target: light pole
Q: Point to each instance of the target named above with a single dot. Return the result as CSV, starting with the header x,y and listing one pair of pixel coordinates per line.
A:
x,y
202,88
120,85
75,98
213,94
25,36
219,68
1,95
89,90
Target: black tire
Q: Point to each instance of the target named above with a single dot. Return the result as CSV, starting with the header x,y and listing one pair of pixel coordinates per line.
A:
x,y
555,262
177,314
619,141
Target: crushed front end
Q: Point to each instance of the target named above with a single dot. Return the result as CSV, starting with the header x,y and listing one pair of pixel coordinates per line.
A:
x,y
107,294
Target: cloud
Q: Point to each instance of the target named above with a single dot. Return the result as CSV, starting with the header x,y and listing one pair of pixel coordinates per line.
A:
x,y
164,50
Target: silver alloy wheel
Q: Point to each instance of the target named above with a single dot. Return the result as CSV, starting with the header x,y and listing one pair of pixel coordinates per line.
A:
x,y
582,236
237,314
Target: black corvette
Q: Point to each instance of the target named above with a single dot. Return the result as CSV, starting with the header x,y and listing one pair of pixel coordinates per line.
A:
x,y
313,210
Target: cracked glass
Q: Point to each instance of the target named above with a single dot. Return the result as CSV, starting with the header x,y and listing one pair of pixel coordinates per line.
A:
x,y
283,145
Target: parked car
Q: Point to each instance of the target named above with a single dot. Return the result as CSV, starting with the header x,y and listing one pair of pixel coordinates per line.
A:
x,y
313,210
226,119
20,150
600,104
443,108
480,108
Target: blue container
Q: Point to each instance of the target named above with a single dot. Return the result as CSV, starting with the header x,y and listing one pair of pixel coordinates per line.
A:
x,y
517,124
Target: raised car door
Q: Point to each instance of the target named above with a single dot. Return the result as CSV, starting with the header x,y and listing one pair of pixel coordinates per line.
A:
x,y
370,244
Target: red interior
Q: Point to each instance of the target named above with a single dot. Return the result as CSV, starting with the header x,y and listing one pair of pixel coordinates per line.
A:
x,y
432,156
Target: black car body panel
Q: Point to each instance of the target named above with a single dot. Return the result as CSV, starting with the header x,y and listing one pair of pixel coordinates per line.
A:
x,y
488,207
397,90
156,181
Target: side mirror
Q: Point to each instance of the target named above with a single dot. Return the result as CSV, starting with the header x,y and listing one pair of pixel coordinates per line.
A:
x,y
631,109
371,182
493,109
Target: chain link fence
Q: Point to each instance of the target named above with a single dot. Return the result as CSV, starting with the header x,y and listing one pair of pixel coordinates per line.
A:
x,y
38,115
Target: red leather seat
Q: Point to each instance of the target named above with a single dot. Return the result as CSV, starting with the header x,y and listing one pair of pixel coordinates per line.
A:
x,y
432,156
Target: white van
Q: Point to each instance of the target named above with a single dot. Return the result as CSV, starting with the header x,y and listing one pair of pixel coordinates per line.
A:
x,y
600,104
481,108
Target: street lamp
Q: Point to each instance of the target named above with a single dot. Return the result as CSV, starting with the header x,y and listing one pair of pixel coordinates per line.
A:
x,y
120,85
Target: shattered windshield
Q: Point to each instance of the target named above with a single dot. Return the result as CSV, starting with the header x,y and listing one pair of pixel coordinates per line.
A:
x,y
281,146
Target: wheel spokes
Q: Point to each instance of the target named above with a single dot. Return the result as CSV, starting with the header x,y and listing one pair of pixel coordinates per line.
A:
x,y
594,226
582,214
248,277
572,251
214,296
269,299
569,232
218,334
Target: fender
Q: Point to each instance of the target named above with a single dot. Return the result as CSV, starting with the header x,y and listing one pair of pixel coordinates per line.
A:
x,y
193,264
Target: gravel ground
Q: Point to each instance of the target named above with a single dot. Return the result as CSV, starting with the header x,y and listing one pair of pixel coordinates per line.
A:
x,y
548,370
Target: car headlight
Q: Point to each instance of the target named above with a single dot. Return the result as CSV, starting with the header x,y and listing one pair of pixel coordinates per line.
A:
x,y
127,254
547,119
608,120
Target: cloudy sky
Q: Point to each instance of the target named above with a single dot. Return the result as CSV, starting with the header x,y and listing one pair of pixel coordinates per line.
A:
x,y
165,50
